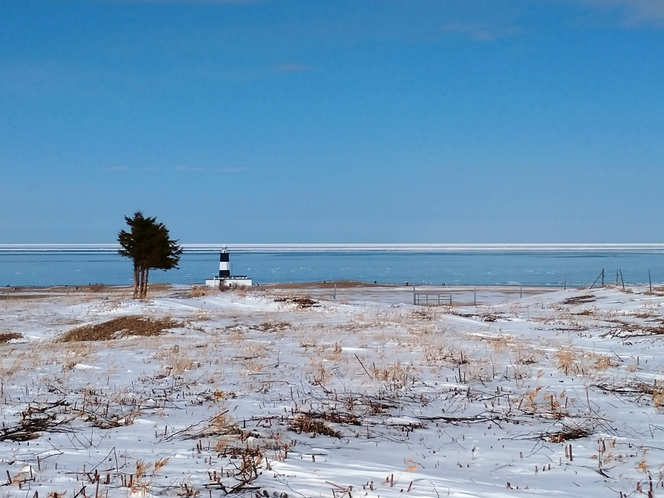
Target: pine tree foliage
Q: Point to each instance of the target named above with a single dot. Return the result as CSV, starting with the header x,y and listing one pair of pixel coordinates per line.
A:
x,y
148,244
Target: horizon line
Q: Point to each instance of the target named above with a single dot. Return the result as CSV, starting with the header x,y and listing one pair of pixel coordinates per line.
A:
x,y
350,247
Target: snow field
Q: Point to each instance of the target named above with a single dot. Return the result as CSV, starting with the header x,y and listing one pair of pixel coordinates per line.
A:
x,y
256,395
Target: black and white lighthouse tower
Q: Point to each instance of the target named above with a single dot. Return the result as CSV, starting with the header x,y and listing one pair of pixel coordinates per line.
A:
x,y
225,278
224,264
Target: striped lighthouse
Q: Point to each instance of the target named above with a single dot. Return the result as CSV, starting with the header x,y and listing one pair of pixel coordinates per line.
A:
x,y
224,264
225,278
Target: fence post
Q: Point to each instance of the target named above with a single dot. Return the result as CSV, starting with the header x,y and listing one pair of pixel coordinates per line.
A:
x,y
601,275
650,281
414,296
474,297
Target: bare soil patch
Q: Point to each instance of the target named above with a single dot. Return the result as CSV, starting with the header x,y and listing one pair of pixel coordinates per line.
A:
x,y
120,327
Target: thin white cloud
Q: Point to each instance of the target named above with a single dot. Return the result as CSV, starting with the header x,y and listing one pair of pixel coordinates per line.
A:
x,y
189,169
635,13
481,32
115,169
231,170
292,67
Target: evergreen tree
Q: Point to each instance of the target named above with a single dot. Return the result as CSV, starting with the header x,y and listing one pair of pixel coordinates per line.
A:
x,y
148,245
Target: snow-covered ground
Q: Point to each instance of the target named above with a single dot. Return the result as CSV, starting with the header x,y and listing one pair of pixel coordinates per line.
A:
x,y
262,393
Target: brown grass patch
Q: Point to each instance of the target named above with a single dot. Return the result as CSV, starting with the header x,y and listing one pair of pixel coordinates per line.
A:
x,y
5,296
422,315
301,302
567,434
202,291
306,423
273,326
120,327
8,336
586,298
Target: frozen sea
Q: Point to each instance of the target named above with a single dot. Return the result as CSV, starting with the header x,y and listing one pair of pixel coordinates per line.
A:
x,y
435,264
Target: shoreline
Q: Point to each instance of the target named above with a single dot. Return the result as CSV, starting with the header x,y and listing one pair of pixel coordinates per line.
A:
x,y
325,284
330,291
428,295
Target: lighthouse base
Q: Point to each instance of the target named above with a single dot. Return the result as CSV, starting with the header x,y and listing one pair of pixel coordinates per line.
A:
x,y
229,282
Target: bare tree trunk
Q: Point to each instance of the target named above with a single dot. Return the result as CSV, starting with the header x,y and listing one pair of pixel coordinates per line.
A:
x,y
141,277
136,283
140,283
145,283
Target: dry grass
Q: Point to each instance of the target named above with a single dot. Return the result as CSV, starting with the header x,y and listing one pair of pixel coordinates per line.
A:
x,y
202,291
568,360
273,326
301,302
567,433
586,298
573,361
422,315
120,327
306,423
4,296
8,336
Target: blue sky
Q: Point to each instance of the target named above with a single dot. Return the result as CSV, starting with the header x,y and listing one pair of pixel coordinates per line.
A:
x,y
333,120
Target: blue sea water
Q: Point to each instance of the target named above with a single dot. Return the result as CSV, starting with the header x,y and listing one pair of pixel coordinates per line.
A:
x,y
450,265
